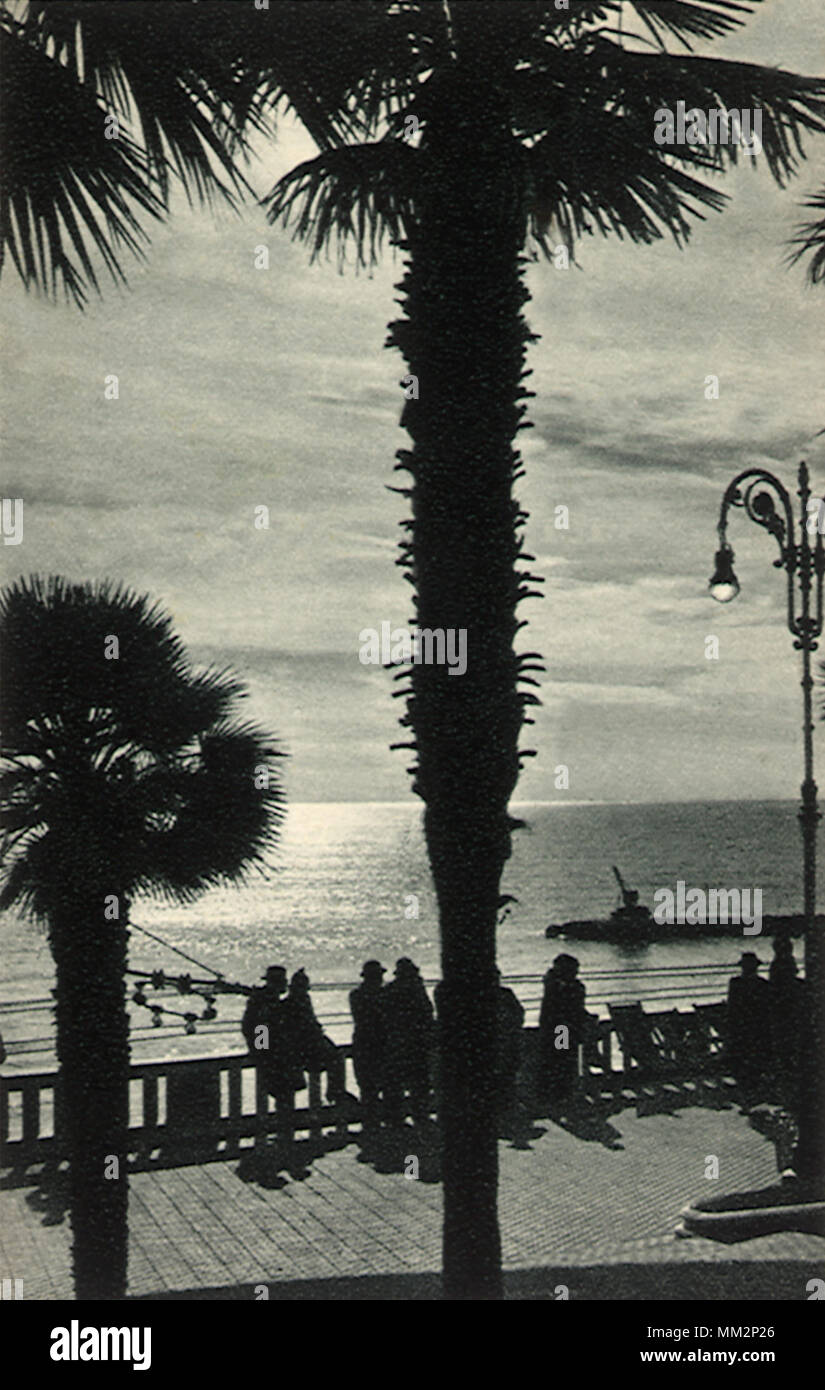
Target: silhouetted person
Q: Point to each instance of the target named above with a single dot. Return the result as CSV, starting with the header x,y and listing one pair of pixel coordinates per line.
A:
x,y
308,1042
783,966
510,1017
562,1026
748,1023
786,993
369,1039
263,1027
408,1020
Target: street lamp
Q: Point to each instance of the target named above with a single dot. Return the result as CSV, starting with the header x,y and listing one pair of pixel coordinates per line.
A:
x,y
724,585
767,502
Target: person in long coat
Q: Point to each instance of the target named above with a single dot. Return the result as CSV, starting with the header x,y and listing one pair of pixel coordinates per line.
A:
x,y
562,1027
749,1011
307,1041
263,1027
408,1020
369,1039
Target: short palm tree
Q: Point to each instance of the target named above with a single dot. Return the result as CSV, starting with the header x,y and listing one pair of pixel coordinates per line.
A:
x,y
124,772
462,131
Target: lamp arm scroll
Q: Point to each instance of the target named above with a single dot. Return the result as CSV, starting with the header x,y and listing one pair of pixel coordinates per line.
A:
x,y
767,502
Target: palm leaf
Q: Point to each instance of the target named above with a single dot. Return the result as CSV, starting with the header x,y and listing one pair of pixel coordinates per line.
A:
x,y
642,83
58,166
685,19
165,69
65,187
360,193
587,118
810,240
611,182
345,68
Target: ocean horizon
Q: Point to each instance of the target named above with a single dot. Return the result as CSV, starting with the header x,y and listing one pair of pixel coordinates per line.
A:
x,y
350,881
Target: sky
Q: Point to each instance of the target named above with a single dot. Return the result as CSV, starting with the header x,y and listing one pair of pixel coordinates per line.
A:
x,y
244,387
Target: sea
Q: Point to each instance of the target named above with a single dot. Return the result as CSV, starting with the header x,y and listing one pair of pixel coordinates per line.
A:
x,y
350,881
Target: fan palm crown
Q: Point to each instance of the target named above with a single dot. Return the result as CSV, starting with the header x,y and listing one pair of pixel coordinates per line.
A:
x,y
121,765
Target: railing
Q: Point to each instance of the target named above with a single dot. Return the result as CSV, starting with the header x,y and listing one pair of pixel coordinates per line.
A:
x,y
192,1110
28,1025
207,1104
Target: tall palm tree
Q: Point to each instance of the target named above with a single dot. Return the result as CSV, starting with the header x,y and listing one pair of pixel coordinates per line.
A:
x,y
532,122
461,131
123,772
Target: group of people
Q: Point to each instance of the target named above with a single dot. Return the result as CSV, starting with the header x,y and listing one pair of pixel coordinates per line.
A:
x,y
764,1023
393,1040
394,1035
286,1039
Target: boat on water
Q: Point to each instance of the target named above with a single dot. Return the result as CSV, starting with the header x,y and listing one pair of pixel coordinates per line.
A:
x,y
633,922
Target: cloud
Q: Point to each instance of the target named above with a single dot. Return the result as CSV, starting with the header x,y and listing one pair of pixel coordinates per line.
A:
x,y
242,387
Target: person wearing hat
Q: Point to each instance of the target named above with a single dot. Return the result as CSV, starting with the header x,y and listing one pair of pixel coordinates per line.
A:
x,y
260,1021
369,1040
408,1020
562,1027
307,1042
263,1027
748,1025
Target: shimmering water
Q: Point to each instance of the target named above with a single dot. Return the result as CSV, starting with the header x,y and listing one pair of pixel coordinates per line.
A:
x,y
351,881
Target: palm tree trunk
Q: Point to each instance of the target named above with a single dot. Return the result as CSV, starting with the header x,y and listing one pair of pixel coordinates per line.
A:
x,y
93,1056
464,340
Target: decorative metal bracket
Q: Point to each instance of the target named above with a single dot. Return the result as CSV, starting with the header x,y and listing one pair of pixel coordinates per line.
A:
x,y
767,502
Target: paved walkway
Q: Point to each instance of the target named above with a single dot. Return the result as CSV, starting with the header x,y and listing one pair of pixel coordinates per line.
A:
x,y
574,1211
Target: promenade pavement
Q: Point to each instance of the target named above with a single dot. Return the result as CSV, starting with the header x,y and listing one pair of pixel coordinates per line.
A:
x,y
587,1213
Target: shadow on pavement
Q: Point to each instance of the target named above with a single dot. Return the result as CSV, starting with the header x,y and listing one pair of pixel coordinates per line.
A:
x,y
699,1281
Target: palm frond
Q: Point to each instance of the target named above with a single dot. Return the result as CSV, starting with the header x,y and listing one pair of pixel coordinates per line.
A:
x,y
74,623
687,19
68,189
616,187
810,241
790,106
587,118
172,71
344,68
359,193
511,25
601,75
221,829
23,884
59,171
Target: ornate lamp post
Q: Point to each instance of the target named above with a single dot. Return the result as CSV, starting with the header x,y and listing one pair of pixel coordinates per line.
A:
x,y
767,502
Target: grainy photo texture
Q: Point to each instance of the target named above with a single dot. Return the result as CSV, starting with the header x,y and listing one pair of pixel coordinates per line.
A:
x,y
409,881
